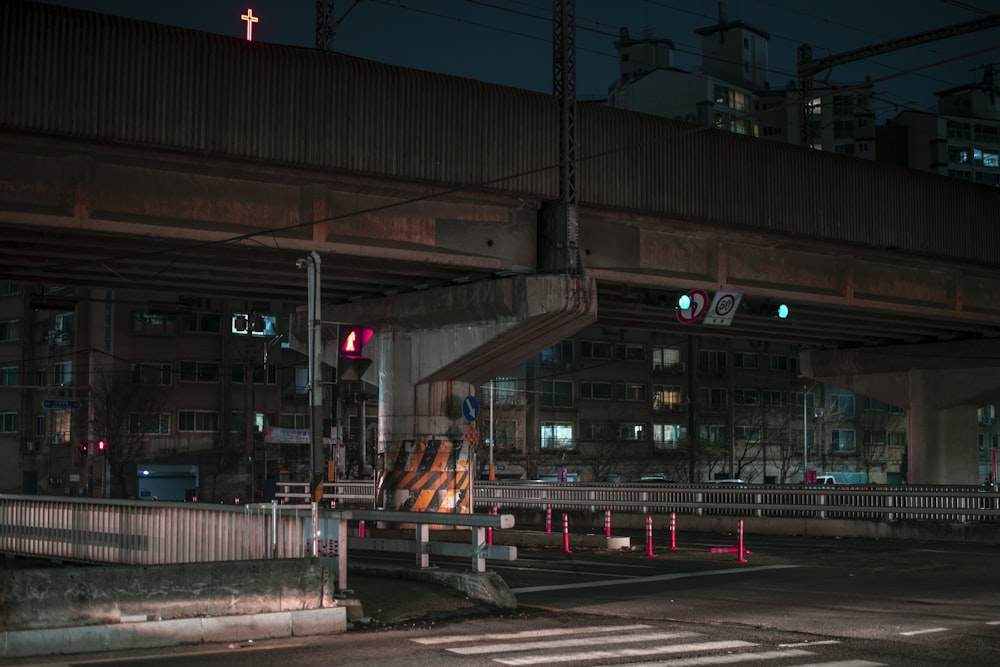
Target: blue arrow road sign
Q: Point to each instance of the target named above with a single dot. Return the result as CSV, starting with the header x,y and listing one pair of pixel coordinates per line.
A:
x,y
60,404
470,408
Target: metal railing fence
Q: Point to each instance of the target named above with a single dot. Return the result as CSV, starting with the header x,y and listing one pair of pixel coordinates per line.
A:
x,y
855,502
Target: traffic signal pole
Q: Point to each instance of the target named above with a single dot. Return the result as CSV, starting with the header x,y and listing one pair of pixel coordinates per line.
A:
x,y
317,462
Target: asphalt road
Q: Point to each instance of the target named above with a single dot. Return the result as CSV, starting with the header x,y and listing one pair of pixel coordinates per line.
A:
x,y
795,602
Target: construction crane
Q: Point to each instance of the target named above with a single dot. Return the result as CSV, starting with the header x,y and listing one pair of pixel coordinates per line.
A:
x,y
808,67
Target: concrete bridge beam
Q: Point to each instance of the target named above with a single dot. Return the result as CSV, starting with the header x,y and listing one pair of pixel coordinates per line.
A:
x,y
432,349
941,385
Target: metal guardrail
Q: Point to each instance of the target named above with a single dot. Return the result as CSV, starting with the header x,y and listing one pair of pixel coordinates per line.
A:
x,y
856,502
129,532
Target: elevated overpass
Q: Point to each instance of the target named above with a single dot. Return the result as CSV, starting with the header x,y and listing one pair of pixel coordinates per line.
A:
x,y
151,157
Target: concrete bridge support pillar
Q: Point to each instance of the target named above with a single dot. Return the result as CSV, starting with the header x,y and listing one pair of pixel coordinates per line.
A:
x,y
942,442
941,385
424,461
434,348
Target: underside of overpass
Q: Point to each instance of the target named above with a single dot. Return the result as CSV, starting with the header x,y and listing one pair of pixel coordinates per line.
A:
x,y
89,198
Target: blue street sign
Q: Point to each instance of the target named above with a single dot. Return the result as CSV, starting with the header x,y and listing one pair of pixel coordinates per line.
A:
x,y
470,408
61,404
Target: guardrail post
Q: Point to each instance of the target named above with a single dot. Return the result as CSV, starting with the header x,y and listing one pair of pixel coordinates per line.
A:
x,y
423,546
649,537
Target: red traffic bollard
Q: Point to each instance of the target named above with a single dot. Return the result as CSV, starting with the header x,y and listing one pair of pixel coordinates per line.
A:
x,y
649,537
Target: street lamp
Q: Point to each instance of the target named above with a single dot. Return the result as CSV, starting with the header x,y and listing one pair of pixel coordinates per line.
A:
x,y
805,433
312,264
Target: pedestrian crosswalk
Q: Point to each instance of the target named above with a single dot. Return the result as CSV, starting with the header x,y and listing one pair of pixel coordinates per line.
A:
x,y
599,644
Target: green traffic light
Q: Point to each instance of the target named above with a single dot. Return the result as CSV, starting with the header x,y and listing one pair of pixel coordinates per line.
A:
x,y
782,311
684,301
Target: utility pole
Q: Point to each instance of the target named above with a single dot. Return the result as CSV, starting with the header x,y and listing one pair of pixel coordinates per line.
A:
x,y
326,24
566,258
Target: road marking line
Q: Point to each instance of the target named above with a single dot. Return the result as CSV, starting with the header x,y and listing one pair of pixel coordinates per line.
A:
x,y
734,658
911,633
642,580
529,634
508,647
818,643
629,653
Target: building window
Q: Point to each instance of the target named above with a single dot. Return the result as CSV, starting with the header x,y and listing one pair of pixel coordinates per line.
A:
x,y
261,374
874,436
62,426
6,289
153,324
842,405
713,398
745,360
666,358
746,397
293,420
774,362
748,434
8,422
631,431
200,371
772,397
712,361
630,351
666,398
40,426
630,391
713,435
557,435
62,374
667,436
151,374
504,390
557,394
560,354
595,349
600,390
505,433
10,330
10,376
206,323
191,420
842,441
150,423
598,430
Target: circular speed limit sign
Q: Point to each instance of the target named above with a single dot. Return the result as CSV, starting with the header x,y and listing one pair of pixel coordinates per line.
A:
x,y
724,305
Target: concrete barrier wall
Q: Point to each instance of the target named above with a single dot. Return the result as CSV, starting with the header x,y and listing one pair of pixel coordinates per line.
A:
x,y
73,596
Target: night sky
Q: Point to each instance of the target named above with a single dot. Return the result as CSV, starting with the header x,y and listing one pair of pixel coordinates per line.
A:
x,y
509,41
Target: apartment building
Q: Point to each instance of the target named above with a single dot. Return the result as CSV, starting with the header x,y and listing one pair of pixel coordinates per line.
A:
x,y
961,140
121,393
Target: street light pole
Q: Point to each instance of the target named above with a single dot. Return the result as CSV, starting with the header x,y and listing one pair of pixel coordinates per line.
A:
x,y
315,381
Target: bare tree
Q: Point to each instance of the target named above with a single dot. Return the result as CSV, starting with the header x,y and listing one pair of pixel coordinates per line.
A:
x,y
126,412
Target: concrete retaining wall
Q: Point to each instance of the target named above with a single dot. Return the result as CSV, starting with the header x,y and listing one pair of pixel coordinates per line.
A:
x,y
108,595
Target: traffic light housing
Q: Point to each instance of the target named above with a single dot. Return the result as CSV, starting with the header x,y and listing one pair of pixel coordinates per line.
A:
x,y
352,363
779,311
101,446
83,448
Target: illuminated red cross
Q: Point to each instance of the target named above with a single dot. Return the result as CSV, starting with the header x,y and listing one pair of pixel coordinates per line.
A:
x,y
250,19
